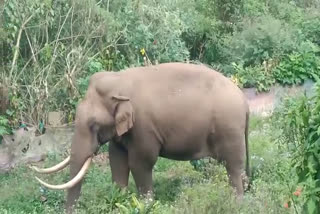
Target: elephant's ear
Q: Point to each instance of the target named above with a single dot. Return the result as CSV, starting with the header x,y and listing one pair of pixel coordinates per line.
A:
x,y
124,117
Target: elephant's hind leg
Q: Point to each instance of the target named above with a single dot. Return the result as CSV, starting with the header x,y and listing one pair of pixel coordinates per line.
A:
x,y
235,177
119,164
232,153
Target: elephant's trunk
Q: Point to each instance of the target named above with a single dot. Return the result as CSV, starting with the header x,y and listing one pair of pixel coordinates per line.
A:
x,y
83,147
76,165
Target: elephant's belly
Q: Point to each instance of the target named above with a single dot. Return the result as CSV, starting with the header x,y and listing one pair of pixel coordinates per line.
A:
x,y
184,156
185,151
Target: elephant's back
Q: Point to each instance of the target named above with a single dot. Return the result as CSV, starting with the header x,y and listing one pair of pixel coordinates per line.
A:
x,y
180,98
177,83
192,76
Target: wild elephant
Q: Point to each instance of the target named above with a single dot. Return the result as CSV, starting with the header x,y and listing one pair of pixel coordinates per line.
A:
x,y
173,110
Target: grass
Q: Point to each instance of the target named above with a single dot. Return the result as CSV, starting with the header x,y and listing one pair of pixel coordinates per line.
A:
x,y
179,188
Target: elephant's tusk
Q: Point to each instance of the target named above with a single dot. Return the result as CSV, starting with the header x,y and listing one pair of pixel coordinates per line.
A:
x,y
74,180
55,168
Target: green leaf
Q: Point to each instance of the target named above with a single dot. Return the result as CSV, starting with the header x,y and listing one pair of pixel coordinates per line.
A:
x,y
312,206
9,112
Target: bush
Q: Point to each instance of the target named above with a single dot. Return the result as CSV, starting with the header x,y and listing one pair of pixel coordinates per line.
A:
x,y
254,8
295,68
299,121
4,127
265,39
152,30
253,77
50,57
310,26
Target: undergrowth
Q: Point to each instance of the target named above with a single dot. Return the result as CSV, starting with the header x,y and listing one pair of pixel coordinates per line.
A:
x,y
178,186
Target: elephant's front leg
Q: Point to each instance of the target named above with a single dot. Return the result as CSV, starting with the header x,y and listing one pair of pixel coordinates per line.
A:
x,y
141,165
119,164
142,174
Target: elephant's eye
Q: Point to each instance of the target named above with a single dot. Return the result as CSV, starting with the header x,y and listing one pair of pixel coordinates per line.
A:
x,y
99,138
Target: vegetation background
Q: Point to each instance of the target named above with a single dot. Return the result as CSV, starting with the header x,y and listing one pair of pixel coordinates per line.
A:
x,y
49,49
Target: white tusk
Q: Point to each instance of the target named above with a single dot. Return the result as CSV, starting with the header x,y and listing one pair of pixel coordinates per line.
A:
x,y
74,180
55,168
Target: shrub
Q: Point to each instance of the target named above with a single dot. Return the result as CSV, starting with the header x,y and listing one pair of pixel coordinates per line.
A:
x,y
264,39
299,121
253,77
287,11
310,26
4,127
295,68
156,30
254,8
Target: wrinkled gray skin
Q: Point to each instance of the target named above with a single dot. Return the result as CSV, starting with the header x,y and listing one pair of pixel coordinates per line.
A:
x,y
174,110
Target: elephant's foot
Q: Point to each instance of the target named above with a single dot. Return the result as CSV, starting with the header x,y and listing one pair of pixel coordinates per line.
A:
x,y
148,197
236,181
239,197
245,181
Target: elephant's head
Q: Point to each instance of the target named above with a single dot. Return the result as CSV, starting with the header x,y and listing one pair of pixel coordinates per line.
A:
x,y
105,112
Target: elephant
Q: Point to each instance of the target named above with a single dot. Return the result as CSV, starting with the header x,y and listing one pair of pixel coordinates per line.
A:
x,y
179,111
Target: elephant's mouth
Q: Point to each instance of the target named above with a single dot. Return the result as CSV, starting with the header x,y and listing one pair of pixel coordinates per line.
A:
x,y
59,167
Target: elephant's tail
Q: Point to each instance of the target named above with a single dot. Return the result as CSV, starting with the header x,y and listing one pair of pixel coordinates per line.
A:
x,y
247,148
247,145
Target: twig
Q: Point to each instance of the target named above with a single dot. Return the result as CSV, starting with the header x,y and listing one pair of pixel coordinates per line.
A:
x,y
58,35
38,52
16,51
30,45
71,28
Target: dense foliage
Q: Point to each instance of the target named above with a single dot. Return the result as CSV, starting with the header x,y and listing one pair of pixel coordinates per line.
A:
x,y
299,121
49,50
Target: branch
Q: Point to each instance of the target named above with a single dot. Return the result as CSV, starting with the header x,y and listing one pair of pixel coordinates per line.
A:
x,y
16,51
32,51
41,49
